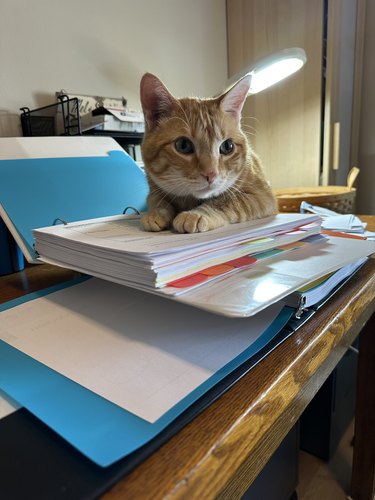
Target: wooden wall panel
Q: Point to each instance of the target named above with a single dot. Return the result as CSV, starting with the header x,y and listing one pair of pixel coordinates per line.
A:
x,y
285,120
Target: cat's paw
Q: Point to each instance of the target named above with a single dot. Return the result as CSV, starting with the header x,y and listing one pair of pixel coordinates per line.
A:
x,y
192,222
156,220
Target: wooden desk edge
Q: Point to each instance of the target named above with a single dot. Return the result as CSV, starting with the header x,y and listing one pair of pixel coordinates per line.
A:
x,y
236,449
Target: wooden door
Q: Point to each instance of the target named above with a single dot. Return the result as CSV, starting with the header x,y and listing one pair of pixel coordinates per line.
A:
x,y
284,121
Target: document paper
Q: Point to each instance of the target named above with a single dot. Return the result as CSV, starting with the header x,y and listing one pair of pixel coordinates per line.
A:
x,y
139,351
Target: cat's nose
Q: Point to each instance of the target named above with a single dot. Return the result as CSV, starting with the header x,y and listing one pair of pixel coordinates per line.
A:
x,y
210,176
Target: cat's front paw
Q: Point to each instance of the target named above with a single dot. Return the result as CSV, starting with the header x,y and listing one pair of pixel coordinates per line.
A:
x,y
192,222
156,220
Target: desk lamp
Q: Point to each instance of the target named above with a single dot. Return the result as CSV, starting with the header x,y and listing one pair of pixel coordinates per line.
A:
x,y
272,69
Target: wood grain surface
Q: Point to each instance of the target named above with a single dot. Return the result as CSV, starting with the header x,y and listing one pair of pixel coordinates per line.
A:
x,y
220,453
223,450
286,116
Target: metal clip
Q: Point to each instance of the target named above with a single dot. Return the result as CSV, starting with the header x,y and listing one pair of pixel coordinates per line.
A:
x,y
131,208
301,307
58,219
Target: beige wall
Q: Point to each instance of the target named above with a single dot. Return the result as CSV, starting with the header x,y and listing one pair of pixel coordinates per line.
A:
x,y
103,48
366,180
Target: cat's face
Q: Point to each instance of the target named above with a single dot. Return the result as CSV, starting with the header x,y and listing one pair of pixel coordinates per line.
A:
x,y
192,147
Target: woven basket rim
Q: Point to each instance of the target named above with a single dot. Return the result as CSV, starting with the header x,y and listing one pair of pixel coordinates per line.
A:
x,y
317,191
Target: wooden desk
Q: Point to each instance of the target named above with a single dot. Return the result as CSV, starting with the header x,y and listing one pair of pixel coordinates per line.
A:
x,y
221,452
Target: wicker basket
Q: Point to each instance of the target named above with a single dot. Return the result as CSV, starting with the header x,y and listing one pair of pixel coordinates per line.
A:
x,y
341,199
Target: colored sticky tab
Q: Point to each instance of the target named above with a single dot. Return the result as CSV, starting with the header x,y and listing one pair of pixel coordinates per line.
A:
x,y
217,270
242,261
256,242
192,280
291,246
268,253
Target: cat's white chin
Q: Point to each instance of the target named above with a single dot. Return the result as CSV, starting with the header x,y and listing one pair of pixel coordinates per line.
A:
x,y
208,192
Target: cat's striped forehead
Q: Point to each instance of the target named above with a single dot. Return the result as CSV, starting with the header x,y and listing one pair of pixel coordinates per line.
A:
x,y
202,117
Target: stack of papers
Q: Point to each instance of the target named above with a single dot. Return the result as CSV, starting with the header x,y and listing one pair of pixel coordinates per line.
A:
x,y
118,249
237,270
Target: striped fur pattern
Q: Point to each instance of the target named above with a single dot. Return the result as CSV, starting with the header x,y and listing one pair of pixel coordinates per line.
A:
x,y
200,168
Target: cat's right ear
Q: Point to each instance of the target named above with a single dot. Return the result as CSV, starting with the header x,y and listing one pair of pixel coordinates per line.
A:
x,y
156,100
233,100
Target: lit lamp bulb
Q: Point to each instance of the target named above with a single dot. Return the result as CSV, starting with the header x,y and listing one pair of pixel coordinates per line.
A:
x,y
272,69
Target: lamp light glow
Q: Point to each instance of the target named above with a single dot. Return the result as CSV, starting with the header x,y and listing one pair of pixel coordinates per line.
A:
x,y
272,69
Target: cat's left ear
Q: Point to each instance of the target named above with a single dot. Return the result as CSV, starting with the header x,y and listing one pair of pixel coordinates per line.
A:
x,y
232,101
156,100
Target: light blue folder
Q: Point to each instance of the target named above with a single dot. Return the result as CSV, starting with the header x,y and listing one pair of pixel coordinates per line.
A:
x,y
35,192
101,430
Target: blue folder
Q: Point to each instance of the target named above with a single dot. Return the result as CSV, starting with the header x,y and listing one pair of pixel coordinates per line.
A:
x,y
35,192
99,429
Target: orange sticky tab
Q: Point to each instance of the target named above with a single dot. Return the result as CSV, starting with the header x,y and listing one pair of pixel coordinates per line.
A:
x,y
216,270
297,244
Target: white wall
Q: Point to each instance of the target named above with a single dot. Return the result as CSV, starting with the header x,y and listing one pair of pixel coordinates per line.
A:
x,y
365,202
103,47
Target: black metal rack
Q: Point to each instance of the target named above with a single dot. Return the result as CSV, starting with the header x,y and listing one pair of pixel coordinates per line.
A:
x,y
61,118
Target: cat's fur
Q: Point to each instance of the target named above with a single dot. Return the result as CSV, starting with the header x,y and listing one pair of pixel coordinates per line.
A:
x,y
200,188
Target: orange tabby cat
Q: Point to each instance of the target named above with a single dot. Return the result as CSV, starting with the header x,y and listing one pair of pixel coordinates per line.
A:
x,y
200,168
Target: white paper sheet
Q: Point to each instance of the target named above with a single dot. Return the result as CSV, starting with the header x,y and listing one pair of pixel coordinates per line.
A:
x,y
12,148
347,223
139,351
125,234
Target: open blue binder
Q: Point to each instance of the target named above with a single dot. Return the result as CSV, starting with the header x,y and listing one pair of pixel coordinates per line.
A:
x,y
66,473
101,430
57,189
112,439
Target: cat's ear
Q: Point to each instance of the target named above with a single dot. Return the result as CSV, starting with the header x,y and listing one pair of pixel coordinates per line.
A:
x,y
156,100
232,101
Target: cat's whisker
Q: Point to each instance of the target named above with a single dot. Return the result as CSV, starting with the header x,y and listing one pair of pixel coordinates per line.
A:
x,y
249,130
248,118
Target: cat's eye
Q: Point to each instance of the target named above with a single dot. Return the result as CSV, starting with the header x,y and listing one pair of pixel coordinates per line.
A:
x,y
226,147
184,146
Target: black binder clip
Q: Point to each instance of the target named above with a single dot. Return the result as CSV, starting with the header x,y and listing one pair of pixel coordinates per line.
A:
x,y
131,208
58,219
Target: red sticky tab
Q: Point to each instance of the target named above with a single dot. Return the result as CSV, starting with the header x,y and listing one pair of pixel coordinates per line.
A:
x,y
242,261
192,280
